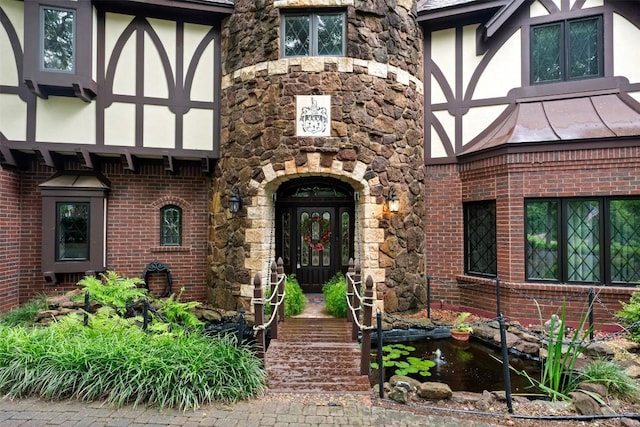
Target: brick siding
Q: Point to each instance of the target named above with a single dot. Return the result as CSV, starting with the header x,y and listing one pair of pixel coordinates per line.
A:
x,y
132,229
509,179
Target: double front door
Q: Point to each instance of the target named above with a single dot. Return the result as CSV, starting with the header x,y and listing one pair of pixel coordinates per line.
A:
x,y
315,237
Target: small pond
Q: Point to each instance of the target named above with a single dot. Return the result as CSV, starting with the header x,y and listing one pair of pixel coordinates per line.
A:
x,y
467,366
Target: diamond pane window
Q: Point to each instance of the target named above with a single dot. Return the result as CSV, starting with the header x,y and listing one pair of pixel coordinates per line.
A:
x,y
57,40
72,231
542,256
480,238
584,48
583,241
296,36
588,241
545,53
567,50
624,226
315,34
171,226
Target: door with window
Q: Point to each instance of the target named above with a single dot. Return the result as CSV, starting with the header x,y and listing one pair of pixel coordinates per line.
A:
x,y
314,230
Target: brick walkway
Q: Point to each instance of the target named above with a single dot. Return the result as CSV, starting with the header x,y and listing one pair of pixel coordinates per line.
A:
x,y
279,410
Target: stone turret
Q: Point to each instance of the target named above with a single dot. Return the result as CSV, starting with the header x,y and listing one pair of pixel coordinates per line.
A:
x,y
375,141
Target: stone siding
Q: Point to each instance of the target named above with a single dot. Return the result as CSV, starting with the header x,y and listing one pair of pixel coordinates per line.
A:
x,y
376,143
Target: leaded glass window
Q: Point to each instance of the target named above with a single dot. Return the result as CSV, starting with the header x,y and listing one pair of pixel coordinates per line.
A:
x,y
566,50
624,244
72,231
542,250
591,241
315,34
58,33
480,238
171,226
345,227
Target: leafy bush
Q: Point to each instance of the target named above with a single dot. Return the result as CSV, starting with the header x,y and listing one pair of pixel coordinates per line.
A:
x,y
25,314
294,300
113,289
630,315
112,361
612,375
335,296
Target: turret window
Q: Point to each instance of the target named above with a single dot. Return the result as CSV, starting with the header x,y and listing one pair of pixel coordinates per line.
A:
x,y
313,34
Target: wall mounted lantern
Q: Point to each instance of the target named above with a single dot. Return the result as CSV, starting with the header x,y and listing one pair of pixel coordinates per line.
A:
x,y
393,201
235,202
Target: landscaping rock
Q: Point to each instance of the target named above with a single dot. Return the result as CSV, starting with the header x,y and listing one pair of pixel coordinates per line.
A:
x,y
434,391
599,389
527,347
584,404
397,379
399,394
599,350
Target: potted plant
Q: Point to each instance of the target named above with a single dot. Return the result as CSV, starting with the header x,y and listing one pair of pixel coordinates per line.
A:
x,y
461,330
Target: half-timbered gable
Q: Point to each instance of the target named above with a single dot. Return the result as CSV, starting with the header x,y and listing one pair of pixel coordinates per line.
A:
x,y
532,139
109,130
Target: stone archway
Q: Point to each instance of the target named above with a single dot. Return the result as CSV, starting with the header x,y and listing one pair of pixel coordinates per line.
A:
x,y
262,210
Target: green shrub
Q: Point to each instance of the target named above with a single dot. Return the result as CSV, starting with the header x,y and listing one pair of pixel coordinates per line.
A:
x,y
110,360
335,296
613,376
25,314
630,315
294,300
113,289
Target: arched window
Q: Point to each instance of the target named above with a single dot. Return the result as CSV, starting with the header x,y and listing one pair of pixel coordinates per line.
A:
x,y
170,225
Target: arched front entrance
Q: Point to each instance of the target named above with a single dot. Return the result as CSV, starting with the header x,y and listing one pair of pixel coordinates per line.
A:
x,y
315,229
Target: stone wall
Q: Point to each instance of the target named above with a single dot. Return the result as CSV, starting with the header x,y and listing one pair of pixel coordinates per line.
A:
x,y
376,142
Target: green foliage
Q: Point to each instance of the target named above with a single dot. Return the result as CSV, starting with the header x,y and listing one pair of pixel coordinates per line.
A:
x,y
294,300
630,315
25,314
557,376
112,361
335,295
397,355
113,289
613,376
460,323
178,312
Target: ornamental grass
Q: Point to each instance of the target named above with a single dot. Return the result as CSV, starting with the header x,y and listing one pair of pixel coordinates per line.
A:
x,y
114,361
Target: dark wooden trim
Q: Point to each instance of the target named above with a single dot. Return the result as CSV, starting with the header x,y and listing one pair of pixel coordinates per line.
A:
x,y
198,12
445,16
44,83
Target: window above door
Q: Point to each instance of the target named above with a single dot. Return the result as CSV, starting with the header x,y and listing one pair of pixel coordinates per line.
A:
x,y
313,33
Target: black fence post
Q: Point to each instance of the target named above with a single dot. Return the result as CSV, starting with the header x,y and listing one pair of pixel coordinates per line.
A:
x,y
505,363
379,358
86,308
145,314
428,297
591,299
498,310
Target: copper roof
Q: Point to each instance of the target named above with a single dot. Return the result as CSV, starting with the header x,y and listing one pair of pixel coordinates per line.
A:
x,y
569,119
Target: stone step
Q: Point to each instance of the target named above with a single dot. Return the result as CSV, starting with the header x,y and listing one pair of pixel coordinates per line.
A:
x,y
315,355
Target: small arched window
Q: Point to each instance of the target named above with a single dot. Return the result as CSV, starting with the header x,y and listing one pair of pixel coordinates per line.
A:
x,y
170,225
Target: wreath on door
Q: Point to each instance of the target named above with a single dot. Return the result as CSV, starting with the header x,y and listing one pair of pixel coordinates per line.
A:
x,y
307,232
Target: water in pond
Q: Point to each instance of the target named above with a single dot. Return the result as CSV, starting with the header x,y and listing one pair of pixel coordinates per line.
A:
x,y
468,366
